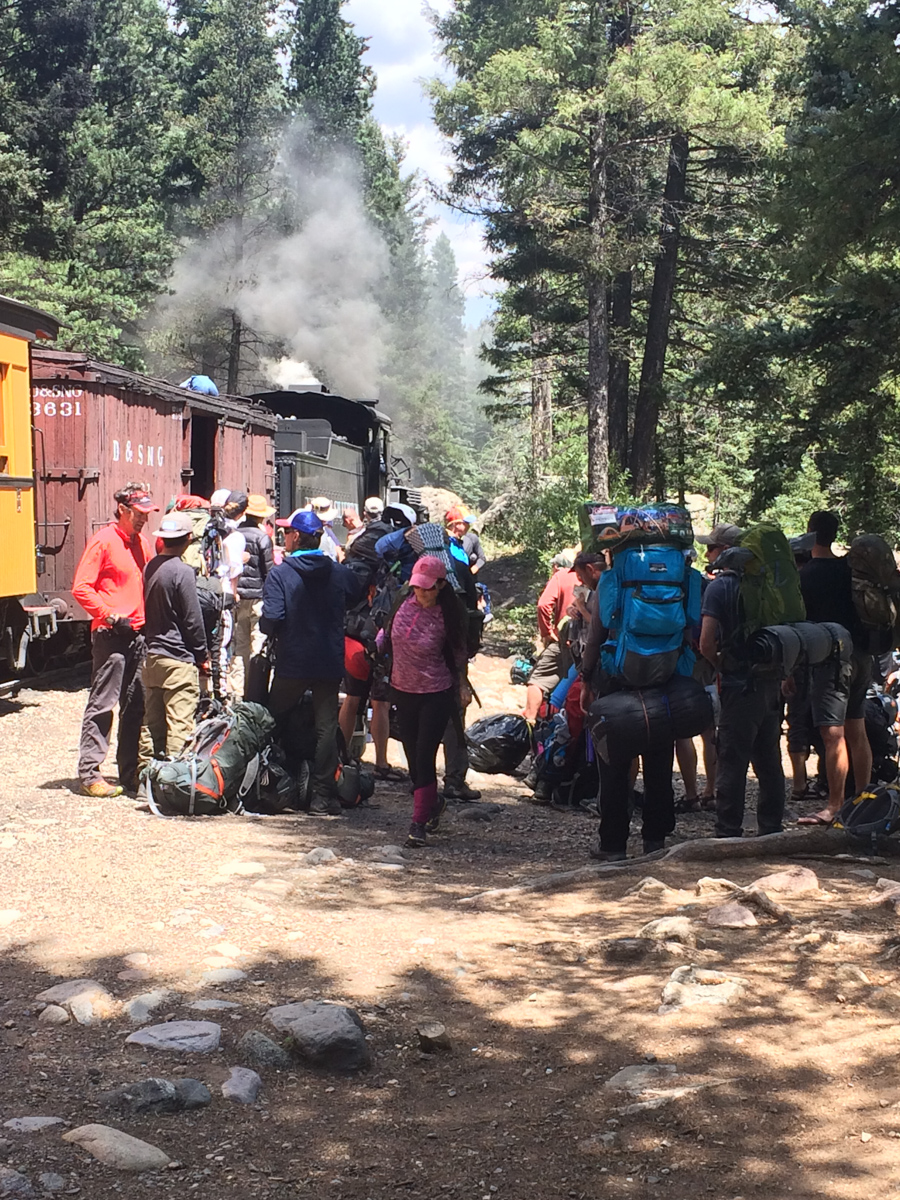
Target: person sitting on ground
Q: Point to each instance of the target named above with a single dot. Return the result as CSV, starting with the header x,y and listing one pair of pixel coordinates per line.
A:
x,y
554,660
109,586
304,601
176,644
750,720
248,639
838,706
427,641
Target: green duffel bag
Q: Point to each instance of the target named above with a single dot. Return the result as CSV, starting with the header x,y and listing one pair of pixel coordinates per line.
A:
x,y
217,767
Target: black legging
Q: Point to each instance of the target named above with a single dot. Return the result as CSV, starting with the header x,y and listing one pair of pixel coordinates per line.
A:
x,y
423,717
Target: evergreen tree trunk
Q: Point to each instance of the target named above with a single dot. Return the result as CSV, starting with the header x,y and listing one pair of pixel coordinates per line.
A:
x,y
598,324
646,413
541,400
619,368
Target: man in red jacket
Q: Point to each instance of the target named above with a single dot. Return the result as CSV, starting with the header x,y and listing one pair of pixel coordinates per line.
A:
x,y
109,586
552,613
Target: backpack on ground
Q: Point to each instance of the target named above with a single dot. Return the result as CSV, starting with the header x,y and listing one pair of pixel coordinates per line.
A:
x,y
881,717
875,584
217,767
649,601
520,671
276,790
871,814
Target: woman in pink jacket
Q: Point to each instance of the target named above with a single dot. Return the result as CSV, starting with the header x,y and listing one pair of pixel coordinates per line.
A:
x,y
428,657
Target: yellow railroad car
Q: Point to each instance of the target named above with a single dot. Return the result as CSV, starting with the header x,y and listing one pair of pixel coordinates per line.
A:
x,y
20,620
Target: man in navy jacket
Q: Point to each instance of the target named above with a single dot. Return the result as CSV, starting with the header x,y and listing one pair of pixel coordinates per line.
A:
x,y
304,599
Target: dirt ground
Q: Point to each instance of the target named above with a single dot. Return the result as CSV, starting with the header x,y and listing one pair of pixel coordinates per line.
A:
x,y
791,1089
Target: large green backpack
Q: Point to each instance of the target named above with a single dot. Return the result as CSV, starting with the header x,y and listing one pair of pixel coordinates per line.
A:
x,y
770,583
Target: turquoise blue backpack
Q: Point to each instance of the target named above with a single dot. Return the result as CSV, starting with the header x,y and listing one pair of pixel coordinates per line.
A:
x,y
650,602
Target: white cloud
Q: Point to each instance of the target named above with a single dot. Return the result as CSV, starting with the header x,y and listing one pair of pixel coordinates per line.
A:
x,y
403,53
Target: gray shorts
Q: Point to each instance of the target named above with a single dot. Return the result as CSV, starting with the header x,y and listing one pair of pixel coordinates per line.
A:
x,y
552,666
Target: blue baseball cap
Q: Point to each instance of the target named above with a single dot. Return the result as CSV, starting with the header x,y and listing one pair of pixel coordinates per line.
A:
x,y
302,520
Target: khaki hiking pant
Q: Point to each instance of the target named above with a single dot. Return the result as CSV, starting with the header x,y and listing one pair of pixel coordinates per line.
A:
x,y
171,693
247,641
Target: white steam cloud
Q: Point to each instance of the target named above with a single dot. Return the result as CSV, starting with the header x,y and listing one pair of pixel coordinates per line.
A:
x,y
303,276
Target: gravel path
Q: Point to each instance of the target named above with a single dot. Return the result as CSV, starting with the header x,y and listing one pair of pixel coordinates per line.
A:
x,y
540,1013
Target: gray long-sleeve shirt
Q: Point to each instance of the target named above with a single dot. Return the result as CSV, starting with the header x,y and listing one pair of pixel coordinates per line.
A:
x,y
173,626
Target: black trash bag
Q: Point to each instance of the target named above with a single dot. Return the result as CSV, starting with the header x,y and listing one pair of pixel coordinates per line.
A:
x,y
498,744
635,721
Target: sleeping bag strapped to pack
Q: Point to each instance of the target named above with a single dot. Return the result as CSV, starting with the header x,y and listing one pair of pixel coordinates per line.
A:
x,y
632,722
605,527
649,602
875,584
217,767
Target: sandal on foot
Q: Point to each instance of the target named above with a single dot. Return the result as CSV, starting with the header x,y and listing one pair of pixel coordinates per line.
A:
x,y
812,791
390,775
685,805
825,821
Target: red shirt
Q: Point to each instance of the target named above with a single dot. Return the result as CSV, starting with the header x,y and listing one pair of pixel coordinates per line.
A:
x,y
109,578
554,600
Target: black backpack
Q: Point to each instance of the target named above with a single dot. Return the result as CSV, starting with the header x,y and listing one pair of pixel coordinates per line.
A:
x,y
871,814
275,789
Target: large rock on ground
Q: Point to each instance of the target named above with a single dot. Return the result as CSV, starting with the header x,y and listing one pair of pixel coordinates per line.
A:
x,y
32,1124
689,986
731,915
792,881
86,999
640,1078
158,1096
260,1050
329,1036
197,1037
242,1085
670,929
118,1149
15,1185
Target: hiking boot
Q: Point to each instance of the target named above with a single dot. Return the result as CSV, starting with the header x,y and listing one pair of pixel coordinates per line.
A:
x,y
461,791
652,847
416,835
609,856
435,819
101,790
325,806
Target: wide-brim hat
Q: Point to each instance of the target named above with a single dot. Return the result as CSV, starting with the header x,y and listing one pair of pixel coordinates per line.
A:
x,y
324,509
258,506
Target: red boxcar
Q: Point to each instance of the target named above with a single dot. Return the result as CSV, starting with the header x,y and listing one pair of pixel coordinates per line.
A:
x,y
98,426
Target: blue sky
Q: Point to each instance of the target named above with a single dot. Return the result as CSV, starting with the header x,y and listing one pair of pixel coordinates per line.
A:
x,y
403,53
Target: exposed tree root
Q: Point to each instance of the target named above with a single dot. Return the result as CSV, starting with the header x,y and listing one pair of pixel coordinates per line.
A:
x,y
792,842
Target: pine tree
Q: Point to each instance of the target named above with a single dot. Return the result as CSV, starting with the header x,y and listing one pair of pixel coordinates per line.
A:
x,y
328,81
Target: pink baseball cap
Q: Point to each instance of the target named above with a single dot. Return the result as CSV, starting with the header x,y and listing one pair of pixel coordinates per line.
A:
x,y
427,571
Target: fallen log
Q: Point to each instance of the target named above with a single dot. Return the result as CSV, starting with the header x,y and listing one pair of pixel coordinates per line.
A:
x,y
790,843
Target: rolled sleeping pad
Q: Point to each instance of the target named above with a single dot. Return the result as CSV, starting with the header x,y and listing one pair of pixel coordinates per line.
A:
x,y
812,642
636,721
